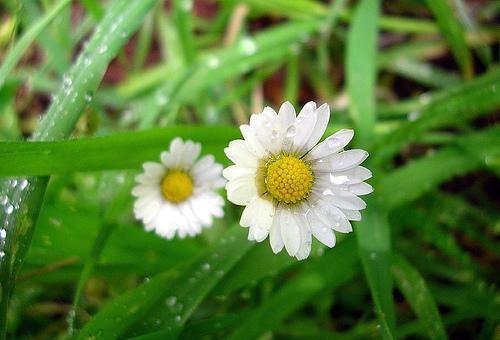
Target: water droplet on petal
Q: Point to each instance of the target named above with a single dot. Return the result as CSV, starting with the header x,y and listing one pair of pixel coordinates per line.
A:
x,y
291,131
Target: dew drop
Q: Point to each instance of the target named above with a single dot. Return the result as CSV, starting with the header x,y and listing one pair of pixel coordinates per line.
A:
x,y
23,184
291,131
9,209
171,301
413,115
103,49
3,233
88,96
248,46
206,267
213,62
3,200
333,143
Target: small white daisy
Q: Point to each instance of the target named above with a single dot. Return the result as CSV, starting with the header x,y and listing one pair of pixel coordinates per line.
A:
x,y
291,187
178,195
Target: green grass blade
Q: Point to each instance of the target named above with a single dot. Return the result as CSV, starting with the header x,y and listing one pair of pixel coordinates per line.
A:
x,y
24,196
170,297
108,225
300,289
431,170
416,292
373,230
20,47
448,107
119,151
453,32
374,243
361,69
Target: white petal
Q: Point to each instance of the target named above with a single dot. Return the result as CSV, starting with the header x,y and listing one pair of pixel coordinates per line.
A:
x,y
332,216
290,232
144,190
304,128
341,161
268,131
346,201
238,152
241,191
233,172
324,234
153,169
275,234
252,142
352,215
323,113
258,215
361,189
331,145
286,114
305,238
351,176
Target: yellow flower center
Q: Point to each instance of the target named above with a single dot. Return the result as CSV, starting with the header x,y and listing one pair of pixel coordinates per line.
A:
x,y
289,179
176,186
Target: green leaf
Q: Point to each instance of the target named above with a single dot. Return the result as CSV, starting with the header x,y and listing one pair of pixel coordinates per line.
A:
x,y
448,107
170,298
118,151
300,289
454,34
20,47
361,68
24,196
416,292
373,230
375,251
429,171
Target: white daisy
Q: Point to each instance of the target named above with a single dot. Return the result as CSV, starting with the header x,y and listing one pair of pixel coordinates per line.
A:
x,y
291,187
178,195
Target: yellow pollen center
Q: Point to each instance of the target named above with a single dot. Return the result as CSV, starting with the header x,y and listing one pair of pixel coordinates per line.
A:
x,y
176,186
289,179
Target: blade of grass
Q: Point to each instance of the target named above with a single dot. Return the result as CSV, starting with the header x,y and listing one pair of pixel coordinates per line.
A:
x,y
31,34
361,69
118,151
108,225
454,34
299,290
171,296
25,196
416,292
373,231
431,170
447,107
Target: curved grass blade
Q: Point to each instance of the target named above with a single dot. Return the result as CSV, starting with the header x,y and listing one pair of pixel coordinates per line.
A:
x,y
361,68
118,151
300,289
431,170
373,231
24,196
416,292
454,34
447,107
170,298
20,47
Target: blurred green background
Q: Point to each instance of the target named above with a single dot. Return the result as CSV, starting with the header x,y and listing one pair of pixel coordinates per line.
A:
x,y
91,89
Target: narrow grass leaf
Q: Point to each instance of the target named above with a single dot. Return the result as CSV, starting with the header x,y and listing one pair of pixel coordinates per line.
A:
x,y
119,151
25,195
166,302
361,68
453,32
416,292
20,47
